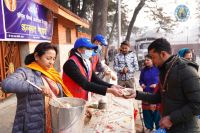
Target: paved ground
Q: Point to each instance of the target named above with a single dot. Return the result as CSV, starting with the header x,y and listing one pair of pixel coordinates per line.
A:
x,y
7,113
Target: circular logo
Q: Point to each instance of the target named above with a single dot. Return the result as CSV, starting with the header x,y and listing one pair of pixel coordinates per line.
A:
x,y
182,13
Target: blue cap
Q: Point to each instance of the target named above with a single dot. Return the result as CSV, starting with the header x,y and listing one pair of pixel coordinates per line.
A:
x,y
182,51
84,42
101,39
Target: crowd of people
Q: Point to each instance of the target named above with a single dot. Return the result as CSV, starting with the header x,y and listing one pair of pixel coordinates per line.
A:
x,y
170,83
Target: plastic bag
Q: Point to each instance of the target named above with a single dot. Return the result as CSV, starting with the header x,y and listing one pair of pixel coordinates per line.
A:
x,y
160,130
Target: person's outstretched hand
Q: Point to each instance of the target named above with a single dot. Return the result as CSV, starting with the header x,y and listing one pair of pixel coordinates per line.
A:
x,y
165,122
46,91
143,86
129,93
117,86
115,91
153,86
125,70
107,73
113,77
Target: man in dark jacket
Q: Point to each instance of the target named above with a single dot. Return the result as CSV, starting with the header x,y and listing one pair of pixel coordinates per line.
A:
x,y
179,90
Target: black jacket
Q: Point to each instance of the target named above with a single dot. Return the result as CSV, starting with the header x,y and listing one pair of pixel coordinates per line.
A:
x,y
180,98
96,85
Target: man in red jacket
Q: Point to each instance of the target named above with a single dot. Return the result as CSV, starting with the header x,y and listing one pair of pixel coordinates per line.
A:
x,y
97,65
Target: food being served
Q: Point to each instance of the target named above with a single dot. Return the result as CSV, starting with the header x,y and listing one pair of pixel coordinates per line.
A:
x,y
102,103
127,91
93,105
66,105
88,116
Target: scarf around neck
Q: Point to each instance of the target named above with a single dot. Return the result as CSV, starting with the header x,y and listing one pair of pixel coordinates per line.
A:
x,y
52,74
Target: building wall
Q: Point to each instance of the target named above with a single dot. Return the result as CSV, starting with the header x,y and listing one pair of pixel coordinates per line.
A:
x,y
73,35
64,37
55,32
67,32
61,34
177,47
81,34
64,54
64,45
25,49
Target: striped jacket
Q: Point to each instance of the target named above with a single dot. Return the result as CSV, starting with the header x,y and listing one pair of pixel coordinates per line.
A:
x,y
130,61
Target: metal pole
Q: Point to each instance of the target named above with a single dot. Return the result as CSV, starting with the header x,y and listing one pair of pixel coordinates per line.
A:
x,y
119,23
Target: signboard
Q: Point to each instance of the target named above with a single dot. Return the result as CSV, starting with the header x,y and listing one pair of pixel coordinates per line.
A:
x,y
25,20
182,13
1,23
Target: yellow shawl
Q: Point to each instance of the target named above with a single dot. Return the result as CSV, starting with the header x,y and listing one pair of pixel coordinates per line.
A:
x,y
52,74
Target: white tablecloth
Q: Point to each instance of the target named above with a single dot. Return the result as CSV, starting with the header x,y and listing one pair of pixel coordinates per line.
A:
x,y
116,118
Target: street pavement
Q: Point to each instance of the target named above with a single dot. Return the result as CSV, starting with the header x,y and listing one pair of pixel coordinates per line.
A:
x,y
7,114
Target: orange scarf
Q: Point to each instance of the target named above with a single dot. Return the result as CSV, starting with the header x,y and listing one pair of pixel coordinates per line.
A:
x,y
52,74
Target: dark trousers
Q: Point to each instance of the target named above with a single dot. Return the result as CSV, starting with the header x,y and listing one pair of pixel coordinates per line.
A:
x,y
151,117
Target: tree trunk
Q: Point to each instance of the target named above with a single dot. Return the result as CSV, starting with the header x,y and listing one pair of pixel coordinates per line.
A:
x,y
136,11
83,9
99,17
113,27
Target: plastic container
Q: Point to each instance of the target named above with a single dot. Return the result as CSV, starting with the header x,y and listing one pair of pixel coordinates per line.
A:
x,y
102,104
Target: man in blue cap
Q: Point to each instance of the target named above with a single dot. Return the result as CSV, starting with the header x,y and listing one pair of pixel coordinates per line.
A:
x,y
100,41
97,65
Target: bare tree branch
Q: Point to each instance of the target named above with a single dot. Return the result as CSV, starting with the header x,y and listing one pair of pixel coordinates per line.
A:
x,y
113,26
136,11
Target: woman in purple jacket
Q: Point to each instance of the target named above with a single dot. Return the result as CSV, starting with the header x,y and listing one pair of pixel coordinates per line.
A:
x,y
149,78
